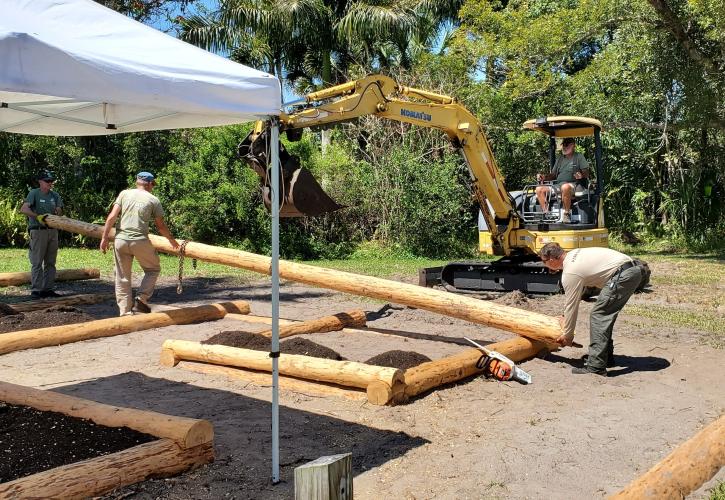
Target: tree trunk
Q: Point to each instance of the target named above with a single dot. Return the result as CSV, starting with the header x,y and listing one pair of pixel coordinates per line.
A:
x,y
65,334
13,279
526,323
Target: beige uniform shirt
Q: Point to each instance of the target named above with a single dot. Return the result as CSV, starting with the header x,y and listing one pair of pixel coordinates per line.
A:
x,y
586,267
138,208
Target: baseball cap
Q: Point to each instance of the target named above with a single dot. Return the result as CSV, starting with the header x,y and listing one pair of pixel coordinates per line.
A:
x,y
46,175
145,176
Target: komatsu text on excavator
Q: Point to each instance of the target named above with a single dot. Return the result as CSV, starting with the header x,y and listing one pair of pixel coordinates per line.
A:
x,y
511,224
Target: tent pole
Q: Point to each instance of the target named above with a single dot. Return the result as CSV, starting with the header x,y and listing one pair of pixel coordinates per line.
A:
x,y
274,157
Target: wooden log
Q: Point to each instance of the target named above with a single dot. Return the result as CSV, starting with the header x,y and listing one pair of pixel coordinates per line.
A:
x,y
345,373
684,470
57,335
186,432
67,300
321,325
99,475
264,379
443,371
21,278
526,323
327,478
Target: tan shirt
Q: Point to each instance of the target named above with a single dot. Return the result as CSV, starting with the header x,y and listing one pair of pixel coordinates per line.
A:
x,y
138,208
586,267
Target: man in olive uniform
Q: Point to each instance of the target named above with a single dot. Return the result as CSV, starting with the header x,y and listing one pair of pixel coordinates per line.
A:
x,y
136,208
570,168
43,251
615,273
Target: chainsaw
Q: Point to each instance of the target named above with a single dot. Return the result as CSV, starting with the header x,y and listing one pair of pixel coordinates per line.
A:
x,y
498,366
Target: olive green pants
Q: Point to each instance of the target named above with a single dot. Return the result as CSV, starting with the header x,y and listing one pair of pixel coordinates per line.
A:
x,y
612,299
42,254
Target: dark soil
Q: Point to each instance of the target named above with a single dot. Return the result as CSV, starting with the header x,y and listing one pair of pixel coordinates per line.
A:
x,y
6,310
33,441
53,316
398,359
515,298
296,345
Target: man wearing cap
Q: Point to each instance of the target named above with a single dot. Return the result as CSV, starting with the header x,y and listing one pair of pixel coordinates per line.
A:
x,y
136,207
570,168
40,202
618,277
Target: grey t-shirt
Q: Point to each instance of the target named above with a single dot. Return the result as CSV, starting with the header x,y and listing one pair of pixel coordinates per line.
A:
x,y
42,203
138,208
565,168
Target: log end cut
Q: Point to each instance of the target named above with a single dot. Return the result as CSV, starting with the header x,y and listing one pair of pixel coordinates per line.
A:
x,y
168,358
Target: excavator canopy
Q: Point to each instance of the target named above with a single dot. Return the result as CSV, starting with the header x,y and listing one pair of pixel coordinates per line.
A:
x,y
564,126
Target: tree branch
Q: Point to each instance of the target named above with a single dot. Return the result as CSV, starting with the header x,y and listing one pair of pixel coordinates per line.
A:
x,y
712,124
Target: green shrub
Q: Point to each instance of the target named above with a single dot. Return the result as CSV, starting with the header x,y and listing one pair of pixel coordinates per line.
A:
x,y
13,224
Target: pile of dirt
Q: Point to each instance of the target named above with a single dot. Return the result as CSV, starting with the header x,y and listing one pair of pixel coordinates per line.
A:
x,y
515,298
33,441
6,310
398,359
296,345
53,316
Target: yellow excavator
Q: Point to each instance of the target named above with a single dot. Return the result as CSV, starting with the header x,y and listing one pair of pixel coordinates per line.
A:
x,y
511,224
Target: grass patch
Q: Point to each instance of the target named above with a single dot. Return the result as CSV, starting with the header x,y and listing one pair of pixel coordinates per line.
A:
x,y
718,492
705,321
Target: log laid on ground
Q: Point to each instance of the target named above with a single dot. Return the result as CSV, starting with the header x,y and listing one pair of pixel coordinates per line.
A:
x,y
186,432
526,323
684,470
442,371
12,279
67,300
265,379
93,477
56,335
321,325
379,382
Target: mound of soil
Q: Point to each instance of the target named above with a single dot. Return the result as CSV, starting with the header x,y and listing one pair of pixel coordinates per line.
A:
x,y
6,310
398,359
53,316
296,345
515,298
34,441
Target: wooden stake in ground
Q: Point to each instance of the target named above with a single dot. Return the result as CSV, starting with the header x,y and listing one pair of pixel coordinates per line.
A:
x,y
321,325
526,323
67,300
14,279
56,335
684,470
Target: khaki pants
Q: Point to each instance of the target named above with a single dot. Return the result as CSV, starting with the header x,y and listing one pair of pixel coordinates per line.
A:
x,y
147,258
42,254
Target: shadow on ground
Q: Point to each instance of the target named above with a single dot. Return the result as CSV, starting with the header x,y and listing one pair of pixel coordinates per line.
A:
x,y
624,364
243,440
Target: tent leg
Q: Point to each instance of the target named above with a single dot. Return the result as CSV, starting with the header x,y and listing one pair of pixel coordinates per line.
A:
x,y
274,157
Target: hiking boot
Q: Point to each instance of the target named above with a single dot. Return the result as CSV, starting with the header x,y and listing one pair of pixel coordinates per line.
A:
x,y
36,295
566,218
50,294
585,370
140,306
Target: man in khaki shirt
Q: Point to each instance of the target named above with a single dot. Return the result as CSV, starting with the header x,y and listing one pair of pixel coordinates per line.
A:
x,y
136,208
615,274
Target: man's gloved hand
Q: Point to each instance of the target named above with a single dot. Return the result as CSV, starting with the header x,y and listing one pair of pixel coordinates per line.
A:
x,y
41,219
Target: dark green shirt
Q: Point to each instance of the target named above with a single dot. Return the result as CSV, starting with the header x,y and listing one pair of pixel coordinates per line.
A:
x,y
41,203
565,168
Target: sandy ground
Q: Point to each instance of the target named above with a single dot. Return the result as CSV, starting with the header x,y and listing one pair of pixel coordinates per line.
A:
x,y
564,436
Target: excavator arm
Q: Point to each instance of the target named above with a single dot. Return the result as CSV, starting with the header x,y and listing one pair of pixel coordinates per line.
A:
x,y
381,96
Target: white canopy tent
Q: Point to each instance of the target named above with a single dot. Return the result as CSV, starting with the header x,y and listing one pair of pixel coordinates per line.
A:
x,y
74,67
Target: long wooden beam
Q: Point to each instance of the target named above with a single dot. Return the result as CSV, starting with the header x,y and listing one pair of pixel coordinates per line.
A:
x,y
526,323
684,470
325,324
67,300
21,278
186,432
57,335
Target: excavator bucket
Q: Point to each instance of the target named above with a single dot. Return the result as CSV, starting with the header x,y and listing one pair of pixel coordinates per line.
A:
x,y
301,194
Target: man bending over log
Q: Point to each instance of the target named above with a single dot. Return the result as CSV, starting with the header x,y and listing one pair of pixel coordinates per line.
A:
x,y
136,208
616,274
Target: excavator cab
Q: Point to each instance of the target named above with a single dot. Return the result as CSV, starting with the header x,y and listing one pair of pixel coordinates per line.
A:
x,y
301,195
587,195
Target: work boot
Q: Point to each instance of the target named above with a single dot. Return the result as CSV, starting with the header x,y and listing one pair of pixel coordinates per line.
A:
x,y
566,218
140,306
610,362
50,294
586,370
36,295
